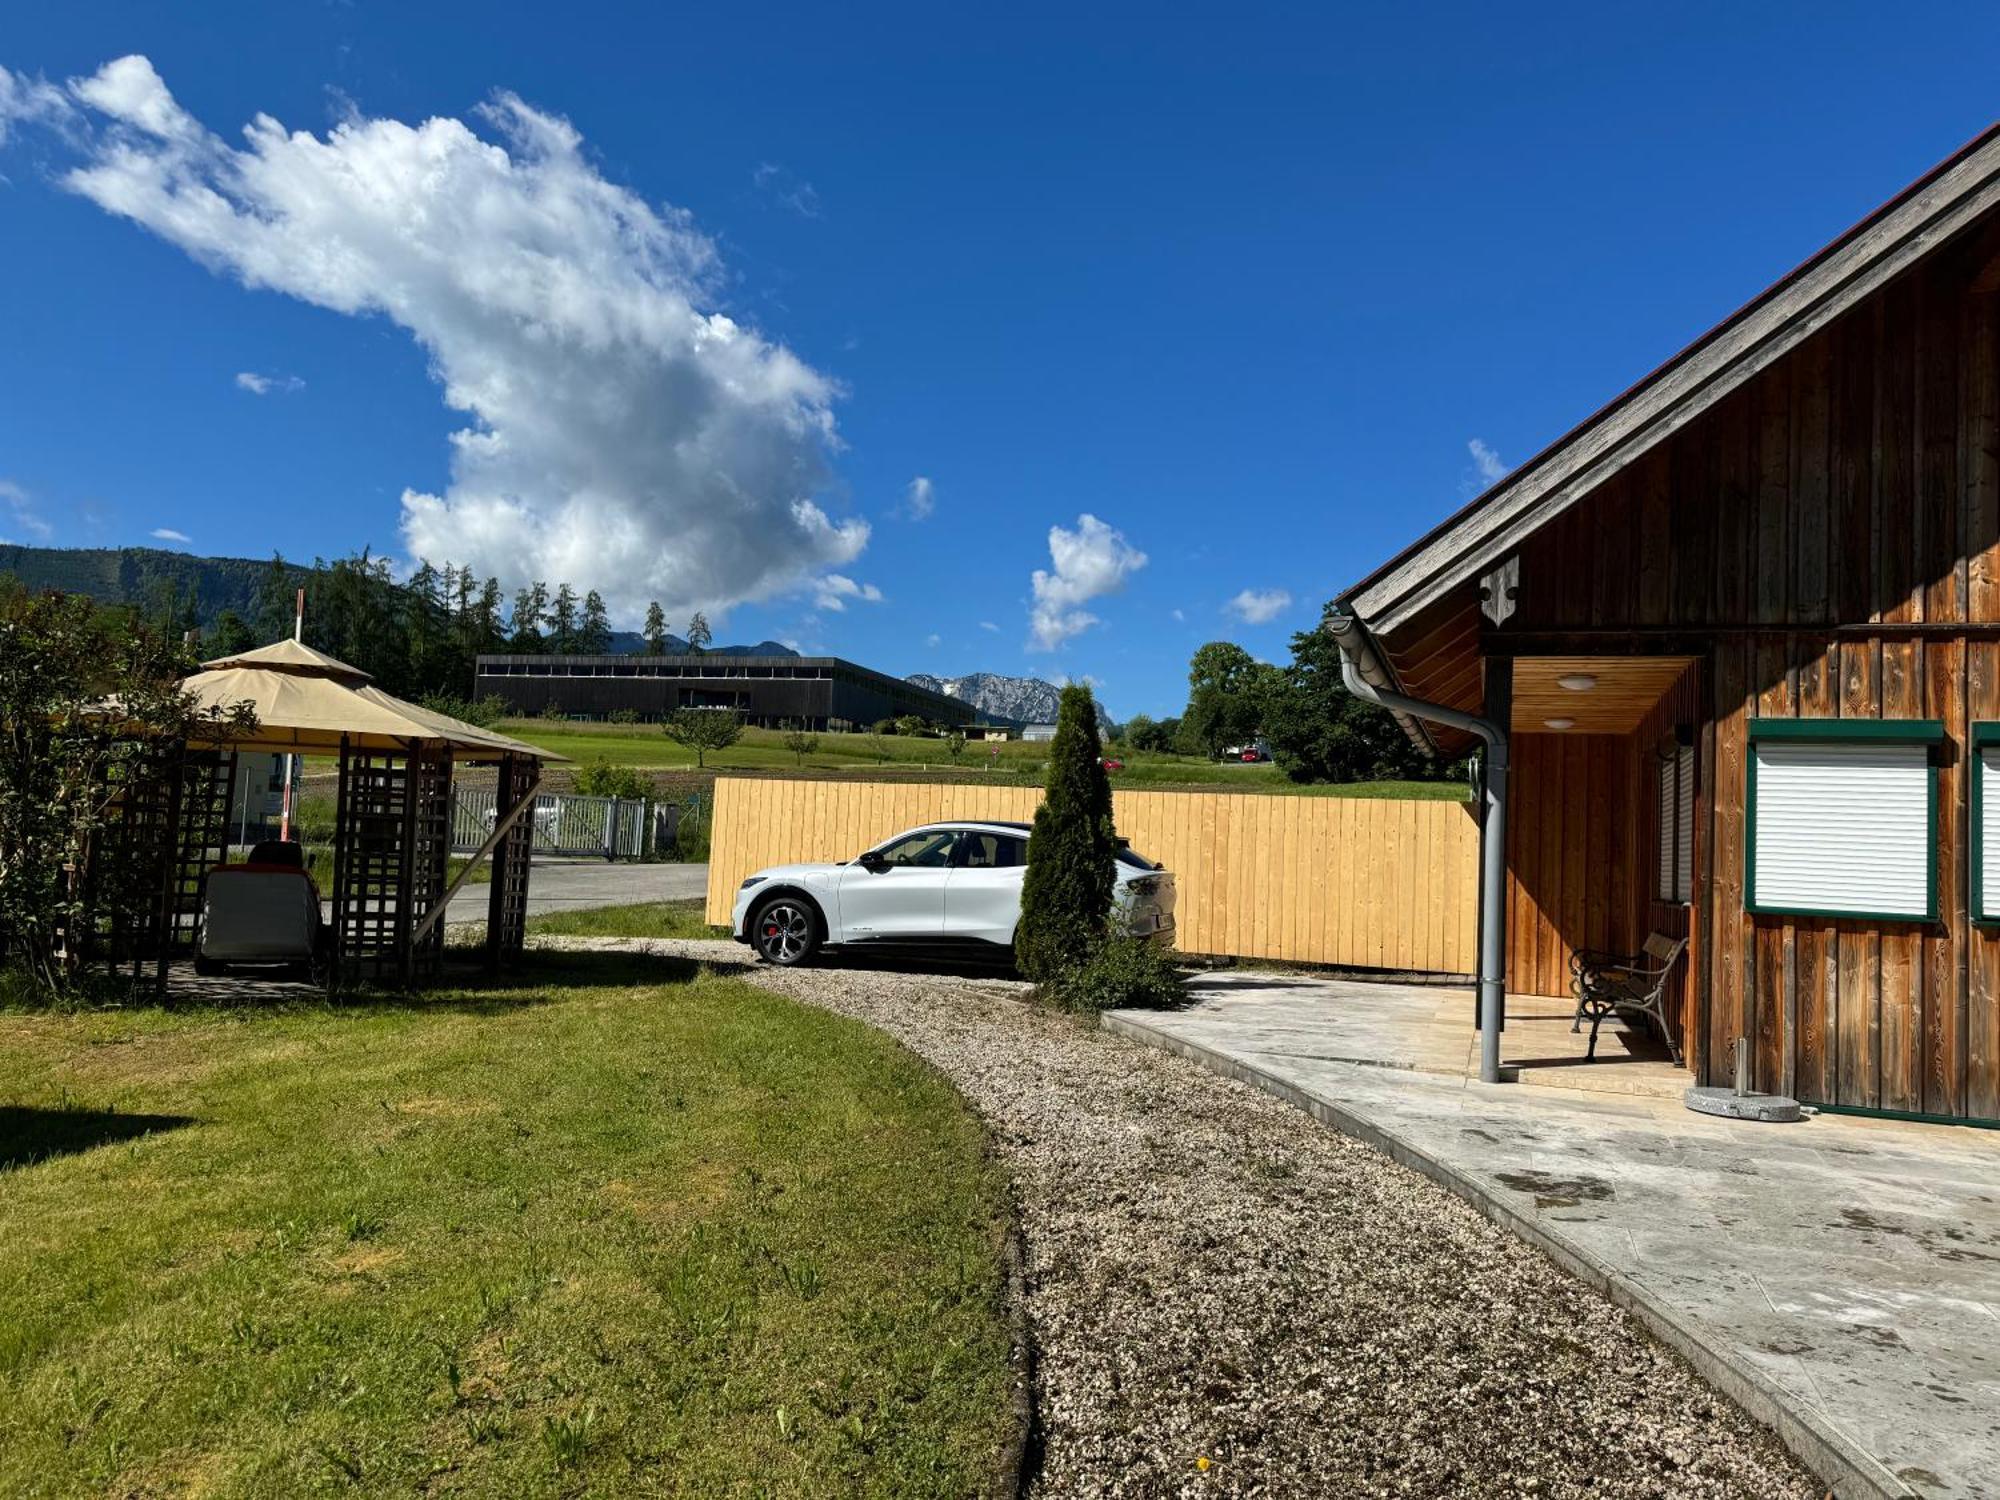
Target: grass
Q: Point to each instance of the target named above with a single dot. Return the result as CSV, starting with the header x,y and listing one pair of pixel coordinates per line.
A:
x,y
619,1226
647,919
1009,763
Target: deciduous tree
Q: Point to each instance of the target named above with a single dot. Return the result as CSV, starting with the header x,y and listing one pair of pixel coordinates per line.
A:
x,y
703,730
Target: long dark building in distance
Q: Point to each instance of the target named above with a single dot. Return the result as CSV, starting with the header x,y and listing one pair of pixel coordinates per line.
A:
x,y
816,692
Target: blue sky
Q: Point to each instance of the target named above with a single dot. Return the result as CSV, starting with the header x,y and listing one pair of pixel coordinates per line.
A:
x,y
1245,285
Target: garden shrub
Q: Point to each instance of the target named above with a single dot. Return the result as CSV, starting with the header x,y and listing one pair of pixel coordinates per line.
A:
x,y
1122,972
602,779
1066,894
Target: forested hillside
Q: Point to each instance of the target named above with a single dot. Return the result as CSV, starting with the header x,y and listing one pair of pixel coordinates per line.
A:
x,y
144,577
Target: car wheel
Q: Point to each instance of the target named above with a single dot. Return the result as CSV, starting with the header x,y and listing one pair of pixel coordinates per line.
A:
x,y
207,968
785,931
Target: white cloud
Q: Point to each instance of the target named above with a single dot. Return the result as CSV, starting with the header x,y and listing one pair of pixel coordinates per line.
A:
x,y
21,510
1486,462
1259,606
933,640
835,589
919,499
989,625
1180,615
621,432
790,189
25,100
1090,561
263,385
168,534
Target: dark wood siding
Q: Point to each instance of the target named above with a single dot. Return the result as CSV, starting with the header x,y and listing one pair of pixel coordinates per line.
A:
x,y
1827,538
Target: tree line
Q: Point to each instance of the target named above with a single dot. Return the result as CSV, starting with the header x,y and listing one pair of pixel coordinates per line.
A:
x,y
1315,730
420,636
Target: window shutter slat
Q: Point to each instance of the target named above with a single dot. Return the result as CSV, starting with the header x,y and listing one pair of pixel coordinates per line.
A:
x,y
1663,884
1989,832
1684,825
1843,828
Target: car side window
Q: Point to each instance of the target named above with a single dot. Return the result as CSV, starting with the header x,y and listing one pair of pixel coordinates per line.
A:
x,y
992,851
929,850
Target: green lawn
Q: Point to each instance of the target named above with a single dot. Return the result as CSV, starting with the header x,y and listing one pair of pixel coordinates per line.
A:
x,y
1008,763
617,1227
645,919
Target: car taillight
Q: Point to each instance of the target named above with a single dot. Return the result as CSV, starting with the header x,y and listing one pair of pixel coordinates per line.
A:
x,y
1145,887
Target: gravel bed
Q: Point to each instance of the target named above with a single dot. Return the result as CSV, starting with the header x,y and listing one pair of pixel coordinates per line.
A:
x,y
1227,1297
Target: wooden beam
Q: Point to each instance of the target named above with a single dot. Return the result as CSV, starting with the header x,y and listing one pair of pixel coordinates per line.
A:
x,y
500,830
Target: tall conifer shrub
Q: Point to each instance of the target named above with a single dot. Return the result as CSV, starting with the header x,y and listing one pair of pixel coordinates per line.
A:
x,y
1066,895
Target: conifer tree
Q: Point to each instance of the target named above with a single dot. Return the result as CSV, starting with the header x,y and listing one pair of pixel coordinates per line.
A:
x,y
593,635
562,621
655,630
1067,892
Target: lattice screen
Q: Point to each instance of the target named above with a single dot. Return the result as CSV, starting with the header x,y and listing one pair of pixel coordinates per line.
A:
x,y
507,904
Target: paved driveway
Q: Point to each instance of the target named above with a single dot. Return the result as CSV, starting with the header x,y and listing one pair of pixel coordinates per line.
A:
x,y
1841,1277
573,884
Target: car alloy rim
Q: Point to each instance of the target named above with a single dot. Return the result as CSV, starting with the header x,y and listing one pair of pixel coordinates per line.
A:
x,y
784,930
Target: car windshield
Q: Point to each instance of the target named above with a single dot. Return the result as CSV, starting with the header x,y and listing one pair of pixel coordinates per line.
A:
x,y
1127,855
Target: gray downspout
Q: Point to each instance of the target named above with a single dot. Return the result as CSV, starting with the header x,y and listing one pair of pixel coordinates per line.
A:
x,y
1367,679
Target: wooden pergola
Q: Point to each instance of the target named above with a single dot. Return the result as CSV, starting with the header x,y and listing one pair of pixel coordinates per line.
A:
x,y
392,824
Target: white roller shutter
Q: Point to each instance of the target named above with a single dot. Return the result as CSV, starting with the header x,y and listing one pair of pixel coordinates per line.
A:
x,y
1684,826
1664,885
1842,828
1988,852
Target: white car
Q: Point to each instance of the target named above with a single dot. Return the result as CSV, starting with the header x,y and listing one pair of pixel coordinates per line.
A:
x,y
944,887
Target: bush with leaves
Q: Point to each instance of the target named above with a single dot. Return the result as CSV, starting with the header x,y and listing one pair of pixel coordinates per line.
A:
x,y
622,716
65,763
691,837
480,712
1066,894
801,741
1123,972
954,743
703,730
602,779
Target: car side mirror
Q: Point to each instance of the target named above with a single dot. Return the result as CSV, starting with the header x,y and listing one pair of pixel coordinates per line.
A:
x,y
873,862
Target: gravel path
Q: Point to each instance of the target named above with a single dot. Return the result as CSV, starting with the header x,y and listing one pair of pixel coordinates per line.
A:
x,y
1227,1297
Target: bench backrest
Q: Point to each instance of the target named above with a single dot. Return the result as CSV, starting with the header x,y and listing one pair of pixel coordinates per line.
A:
x,y
1663,950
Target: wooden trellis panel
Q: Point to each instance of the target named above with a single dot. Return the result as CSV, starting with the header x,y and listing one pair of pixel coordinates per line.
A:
x,y
507,903
205,781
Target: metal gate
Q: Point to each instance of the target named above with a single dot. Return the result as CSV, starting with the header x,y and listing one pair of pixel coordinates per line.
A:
x,y
609,827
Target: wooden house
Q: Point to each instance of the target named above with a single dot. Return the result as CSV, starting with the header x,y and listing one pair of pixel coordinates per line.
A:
x,y
1742,628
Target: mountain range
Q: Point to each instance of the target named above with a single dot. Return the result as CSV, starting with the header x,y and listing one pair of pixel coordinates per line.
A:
x,y
1026,700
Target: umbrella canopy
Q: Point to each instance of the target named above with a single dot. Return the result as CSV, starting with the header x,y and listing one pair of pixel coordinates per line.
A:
x,y
306,700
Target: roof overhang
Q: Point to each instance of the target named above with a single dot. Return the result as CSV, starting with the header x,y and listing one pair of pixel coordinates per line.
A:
x,y
1939,205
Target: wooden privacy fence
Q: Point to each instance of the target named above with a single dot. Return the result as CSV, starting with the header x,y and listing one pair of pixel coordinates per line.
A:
x,y
1363,883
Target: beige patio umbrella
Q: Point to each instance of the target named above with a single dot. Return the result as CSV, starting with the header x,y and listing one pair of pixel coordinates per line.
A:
x,y
307,701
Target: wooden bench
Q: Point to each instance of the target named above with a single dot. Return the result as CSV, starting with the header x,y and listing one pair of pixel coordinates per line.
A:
x,y
1635,983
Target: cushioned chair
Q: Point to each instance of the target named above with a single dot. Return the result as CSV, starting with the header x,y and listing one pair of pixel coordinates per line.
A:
x,y
265,911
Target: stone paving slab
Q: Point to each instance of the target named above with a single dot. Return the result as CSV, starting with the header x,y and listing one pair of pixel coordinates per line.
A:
x,y
1840,1277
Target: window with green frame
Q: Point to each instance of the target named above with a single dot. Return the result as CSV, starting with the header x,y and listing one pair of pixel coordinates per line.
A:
x,y
1986,822
1841,818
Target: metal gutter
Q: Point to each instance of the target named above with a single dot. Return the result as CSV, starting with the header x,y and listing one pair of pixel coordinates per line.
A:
x,y
1367,678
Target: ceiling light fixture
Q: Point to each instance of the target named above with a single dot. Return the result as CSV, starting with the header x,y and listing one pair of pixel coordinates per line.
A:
x,y
1577,682
1560,723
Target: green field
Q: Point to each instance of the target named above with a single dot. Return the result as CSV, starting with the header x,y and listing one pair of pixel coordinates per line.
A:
x,y
1009,763
615,1227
